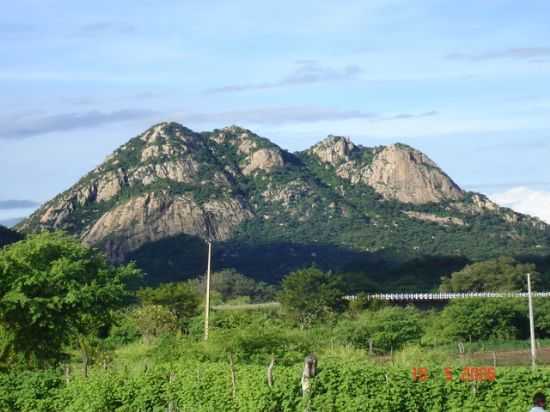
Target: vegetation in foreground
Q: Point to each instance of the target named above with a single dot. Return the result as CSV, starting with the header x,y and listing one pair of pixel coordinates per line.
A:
x,y
77,334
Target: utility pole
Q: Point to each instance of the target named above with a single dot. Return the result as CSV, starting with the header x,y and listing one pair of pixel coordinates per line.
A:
x,y
531,323
207,300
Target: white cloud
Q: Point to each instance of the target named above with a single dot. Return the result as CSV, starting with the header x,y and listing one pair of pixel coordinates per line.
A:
x,y
525,200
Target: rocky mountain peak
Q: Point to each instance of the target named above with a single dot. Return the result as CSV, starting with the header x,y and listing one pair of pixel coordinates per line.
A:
x,y
244,140
399,172
166,131
333,150
171,181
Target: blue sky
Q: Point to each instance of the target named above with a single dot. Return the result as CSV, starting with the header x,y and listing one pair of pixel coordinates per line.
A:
x,y
467,82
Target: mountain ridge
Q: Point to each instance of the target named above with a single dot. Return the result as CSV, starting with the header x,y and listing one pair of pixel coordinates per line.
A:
x,y
234,186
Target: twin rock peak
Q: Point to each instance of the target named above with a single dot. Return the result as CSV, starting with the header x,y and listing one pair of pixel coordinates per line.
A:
x,y
171,180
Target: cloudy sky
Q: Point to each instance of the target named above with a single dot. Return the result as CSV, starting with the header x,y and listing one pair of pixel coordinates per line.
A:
x,y
467,82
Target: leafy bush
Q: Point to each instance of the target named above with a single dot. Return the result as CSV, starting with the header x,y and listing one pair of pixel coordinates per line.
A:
x,y
232,285
388,328
124,330
481,319
310,294
181,298
504,274
154,321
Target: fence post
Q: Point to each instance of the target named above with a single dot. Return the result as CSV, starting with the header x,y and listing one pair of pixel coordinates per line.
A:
x,y
270,371
310,368
172,404
233,377
67,373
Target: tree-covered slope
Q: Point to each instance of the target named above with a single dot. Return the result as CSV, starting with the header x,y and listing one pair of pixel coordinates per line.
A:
x,y
337,204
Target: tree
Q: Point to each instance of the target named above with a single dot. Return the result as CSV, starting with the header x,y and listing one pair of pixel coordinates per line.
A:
x,y
52,288
154,321
504,274
388,328
311,294
181,298
481,319
232,284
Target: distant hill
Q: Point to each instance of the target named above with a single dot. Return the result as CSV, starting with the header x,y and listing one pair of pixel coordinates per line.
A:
x,y
339,205
11,222
8,236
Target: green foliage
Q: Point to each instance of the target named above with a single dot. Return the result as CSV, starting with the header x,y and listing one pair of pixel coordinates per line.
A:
x,y
124,329
181,298
541,309
504,274
53,288
154,320
28,391
388,328
231,285
311,294
481,319
207,386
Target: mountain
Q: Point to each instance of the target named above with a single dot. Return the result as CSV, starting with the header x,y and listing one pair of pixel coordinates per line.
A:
x,y
8,236
11,221
337,204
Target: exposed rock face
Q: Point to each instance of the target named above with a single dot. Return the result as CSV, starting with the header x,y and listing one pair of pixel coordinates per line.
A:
x,y
264,159
428,217
333,150
291,192
154,216
402,173
396,172
480,204
170,181
243,139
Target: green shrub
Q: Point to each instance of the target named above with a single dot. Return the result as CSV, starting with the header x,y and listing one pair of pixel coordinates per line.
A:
x,y
388,328
480,319
154,321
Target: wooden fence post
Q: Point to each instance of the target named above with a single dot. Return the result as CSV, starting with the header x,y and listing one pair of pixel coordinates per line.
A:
x,y
233,376
310,369
172,404
67,373
270,371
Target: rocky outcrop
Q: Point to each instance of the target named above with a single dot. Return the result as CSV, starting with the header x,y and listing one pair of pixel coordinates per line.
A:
x,y
154,216
429,217
333,150
181,171
244,140
263,159
401,173
170,180
479,204
287,194
396,172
